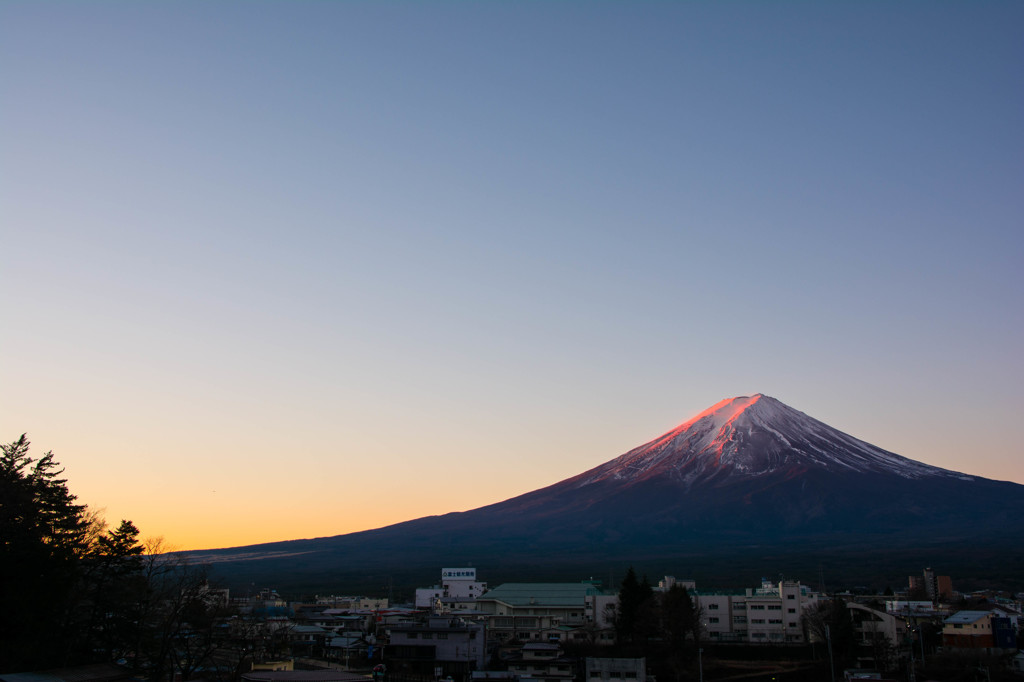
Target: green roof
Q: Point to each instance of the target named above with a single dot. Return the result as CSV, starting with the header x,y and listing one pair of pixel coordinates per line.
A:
x,y
719,593
542,594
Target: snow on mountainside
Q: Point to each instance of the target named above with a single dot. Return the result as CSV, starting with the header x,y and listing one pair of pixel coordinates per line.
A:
x,y
752,436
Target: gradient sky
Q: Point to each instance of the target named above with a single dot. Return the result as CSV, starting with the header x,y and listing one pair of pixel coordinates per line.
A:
x,y
277,270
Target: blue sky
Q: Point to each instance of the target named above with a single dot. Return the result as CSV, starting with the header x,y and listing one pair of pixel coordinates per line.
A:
x,y
419,257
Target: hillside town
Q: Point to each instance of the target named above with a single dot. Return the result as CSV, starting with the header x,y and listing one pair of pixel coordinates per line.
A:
x,y
464,630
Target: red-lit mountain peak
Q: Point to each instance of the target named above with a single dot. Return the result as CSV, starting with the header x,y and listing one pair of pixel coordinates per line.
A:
x,y
753,436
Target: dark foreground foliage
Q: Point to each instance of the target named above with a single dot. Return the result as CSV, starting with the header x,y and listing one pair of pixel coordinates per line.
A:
x,y
75,592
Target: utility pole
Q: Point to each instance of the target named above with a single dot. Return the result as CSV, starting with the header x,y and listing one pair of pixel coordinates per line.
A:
x,y
910,645
831,665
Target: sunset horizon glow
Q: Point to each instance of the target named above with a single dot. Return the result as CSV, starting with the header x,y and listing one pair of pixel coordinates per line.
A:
x,y
289,270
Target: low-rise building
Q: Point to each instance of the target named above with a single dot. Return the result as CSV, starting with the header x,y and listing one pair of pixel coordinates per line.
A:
x,y
549,611
975,630
543,662
615,669
440,647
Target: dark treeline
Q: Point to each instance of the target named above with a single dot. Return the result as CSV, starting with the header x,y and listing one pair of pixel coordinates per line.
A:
x,y
77,592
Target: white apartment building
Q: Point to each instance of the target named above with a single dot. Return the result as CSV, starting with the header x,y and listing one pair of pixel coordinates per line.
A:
x,y
769,614
458,591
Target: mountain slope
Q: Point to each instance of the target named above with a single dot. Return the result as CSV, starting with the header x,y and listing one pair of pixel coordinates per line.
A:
x,y
752,436
747,472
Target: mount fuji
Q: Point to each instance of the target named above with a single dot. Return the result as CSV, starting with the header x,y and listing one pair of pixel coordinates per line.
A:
x,y
749,476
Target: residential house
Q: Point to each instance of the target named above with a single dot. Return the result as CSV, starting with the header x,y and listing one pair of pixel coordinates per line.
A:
x,y
970,630
542,662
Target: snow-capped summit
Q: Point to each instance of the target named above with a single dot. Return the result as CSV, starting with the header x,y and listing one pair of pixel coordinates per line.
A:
x,y
752,436
749,482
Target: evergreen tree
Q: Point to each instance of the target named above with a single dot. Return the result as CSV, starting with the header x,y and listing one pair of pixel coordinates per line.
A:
x,y
678,615
110,585
634,615
43,535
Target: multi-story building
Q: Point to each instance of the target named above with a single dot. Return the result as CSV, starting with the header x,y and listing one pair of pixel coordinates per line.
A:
x,y
769,614
878,635
458,591
670,581
935,587
441,647
549,612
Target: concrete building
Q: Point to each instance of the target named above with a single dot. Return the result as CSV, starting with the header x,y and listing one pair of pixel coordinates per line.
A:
x,y
935,587
769,614
878,633
458,591
549,612
443,646
670,581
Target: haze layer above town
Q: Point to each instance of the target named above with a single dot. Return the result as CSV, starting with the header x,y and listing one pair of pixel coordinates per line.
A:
x,y
284,270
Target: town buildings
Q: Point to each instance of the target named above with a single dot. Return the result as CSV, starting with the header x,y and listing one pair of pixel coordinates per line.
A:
x,y
443,646
458,591
770,614
978,630
549,612
615,669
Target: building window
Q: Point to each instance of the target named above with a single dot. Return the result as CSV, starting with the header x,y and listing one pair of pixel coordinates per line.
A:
x,y
739,606
792,624
757,607
775,607
713,607
428,635
442,635
790,596
739,619
790,610
713,619
595,673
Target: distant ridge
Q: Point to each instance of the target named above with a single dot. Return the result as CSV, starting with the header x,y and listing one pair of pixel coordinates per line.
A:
x,y
748,477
